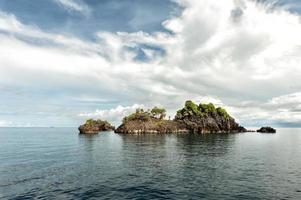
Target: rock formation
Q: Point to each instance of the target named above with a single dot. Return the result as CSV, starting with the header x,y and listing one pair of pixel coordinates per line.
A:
x,y
205,118
266,130
95,126
149,122
202,118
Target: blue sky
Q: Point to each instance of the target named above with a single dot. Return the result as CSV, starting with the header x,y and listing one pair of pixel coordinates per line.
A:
x,y
108,15
63,61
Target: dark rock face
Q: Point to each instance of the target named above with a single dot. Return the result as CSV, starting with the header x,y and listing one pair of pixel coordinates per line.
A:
x,y
211,123
266,130
203,118
95,126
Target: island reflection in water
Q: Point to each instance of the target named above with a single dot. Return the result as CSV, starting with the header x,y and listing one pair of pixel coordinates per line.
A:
x,y
58,163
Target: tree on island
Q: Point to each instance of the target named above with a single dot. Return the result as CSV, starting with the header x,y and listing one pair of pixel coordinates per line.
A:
x,y
98,122
191,106
158,113
139,114
201,110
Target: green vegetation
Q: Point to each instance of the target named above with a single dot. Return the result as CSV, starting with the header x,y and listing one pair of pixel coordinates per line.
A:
x,y
189,109
158,113
206,108
223,112
200,110
140,114
190,106
92,122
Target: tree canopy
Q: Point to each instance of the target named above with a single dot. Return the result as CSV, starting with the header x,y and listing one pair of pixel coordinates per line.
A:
x,y
190,108
92,122
158,113
200,110
141,114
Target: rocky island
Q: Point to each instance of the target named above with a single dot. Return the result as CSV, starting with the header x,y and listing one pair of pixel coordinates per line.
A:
x,y
95,126
192,118
266,130
150,122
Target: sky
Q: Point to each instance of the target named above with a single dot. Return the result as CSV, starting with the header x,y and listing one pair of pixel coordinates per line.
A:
x,y
64,61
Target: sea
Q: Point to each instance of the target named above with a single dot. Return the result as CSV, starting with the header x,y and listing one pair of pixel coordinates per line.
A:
x,y
58,163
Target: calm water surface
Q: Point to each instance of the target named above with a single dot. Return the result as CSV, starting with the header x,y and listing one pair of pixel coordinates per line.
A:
x,y
57,163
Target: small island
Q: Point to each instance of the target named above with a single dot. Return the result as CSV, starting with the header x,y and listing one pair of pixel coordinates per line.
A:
x,y
192,118
150,121
95,126
266,130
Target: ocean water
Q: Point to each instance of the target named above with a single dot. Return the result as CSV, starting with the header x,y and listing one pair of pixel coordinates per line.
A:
x,y
57,163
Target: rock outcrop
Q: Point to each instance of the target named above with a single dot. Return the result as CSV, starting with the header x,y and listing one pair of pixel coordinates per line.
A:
x,y
202,118
205,118
95,126
266,130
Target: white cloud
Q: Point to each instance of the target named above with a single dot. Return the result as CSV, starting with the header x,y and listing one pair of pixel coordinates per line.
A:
x,y
234,51
114,115
286,108
4,123
74,5
286,100
282,109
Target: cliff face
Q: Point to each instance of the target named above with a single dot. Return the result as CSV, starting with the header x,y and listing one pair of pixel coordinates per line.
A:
x,y
95,126
203,118
210,123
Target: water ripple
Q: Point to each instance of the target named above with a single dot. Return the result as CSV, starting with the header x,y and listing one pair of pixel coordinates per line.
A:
x,y
59,164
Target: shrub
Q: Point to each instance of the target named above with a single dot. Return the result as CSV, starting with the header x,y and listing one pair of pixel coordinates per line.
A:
x,y
206,108
201,110
98,122
190,106
180,113
140,114
223,112
90,121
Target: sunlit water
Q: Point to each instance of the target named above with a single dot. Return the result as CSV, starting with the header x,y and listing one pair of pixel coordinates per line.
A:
x,y
57,163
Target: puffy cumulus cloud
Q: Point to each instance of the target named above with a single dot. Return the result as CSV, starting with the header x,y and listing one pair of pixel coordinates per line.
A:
x,y
233,50
252,51
114,115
